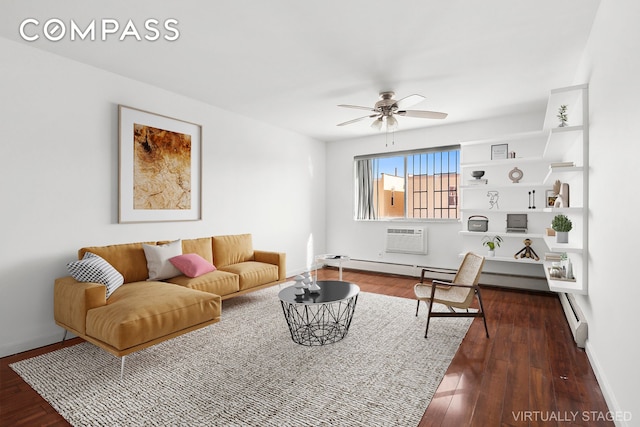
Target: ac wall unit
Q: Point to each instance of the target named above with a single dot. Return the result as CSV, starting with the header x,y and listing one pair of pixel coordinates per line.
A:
x,y
406,240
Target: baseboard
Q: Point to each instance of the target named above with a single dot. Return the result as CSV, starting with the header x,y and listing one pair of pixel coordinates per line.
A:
x,y
22,346
605,387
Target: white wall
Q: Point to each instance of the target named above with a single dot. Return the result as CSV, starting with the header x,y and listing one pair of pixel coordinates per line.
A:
x,y
59,186
365,240
611,65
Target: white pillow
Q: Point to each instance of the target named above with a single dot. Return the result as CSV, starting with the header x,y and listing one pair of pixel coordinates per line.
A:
x,y
94,269
158,260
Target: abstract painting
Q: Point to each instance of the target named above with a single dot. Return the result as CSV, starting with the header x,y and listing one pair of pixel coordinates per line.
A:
x,y
160,167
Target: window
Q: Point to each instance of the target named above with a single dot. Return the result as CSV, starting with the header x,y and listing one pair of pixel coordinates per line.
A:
x,y
420,184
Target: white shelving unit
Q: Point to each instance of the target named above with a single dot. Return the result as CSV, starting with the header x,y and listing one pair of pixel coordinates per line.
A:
x,y
535,152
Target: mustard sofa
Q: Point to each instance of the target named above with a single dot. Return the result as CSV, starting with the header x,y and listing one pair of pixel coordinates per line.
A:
x,y
142,312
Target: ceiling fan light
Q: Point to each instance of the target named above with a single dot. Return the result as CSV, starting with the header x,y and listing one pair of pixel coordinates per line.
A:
x,y
377,123
392,123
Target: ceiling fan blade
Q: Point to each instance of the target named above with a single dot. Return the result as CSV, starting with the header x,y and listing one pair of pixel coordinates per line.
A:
x,y
422,114
409,101
357,120
356,107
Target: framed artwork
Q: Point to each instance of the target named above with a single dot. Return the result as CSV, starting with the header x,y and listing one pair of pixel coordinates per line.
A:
x,y
499,151
550,198
160,168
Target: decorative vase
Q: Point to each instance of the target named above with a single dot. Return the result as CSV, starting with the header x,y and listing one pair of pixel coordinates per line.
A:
x,y
491,253
562,237
314,288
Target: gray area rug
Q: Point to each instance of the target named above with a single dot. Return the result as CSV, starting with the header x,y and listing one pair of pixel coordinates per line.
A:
x,y
246,371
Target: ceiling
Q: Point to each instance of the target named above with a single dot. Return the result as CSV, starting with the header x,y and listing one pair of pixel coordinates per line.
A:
x,y
291,62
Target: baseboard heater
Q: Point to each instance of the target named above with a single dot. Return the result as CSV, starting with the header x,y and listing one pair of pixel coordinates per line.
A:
x,y
575,318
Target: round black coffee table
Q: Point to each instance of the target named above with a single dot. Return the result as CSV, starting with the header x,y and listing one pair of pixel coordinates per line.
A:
x,y
320,318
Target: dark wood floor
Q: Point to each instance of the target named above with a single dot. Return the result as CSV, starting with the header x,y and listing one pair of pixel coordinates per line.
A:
x,y
529,373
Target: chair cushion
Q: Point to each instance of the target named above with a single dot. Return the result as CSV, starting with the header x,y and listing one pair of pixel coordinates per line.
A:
x,y
139,312
253,273
454,296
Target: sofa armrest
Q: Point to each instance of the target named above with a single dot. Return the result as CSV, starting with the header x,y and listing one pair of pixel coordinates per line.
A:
x,y
72,300
275,258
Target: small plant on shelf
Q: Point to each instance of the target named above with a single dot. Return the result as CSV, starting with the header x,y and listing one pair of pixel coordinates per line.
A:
x,y
491,243
562,115
562,225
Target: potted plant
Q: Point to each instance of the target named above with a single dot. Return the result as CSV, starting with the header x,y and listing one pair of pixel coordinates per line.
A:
x,y
562,115
562,225
491,243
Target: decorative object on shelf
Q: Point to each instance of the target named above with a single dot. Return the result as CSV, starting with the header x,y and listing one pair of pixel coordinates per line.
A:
x,y
511,155
562,225
555,271
491,243
515,175
517,223
314,288
477,174
567,267
532,199
499,151
493,199
527,251
562,115
550,198
299,285
550,232
562,194
477,223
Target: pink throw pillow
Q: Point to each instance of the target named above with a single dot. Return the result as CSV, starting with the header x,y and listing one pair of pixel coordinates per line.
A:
x,y
192,265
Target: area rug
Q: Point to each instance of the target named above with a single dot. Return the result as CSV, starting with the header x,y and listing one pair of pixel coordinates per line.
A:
x,y
246,371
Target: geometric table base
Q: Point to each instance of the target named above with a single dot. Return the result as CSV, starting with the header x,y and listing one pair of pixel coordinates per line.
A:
x,y
319,324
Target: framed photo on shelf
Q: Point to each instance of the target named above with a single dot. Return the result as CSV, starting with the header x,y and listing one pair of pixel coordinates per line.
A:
x,y
160,168
499,151
550,198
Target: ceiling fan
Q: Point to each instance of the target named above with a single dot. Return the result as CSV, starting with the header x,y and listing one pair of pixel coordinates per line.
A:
x,y
386,108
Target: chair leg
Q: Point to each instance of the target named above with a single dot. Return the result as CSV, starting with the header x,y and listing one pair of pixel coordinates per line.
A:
x,y
64,337
484,316
417,307
428,319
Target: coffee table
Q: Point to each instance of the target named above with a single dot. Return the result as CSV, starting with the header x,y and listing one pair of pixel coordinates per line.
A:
x,y
320,318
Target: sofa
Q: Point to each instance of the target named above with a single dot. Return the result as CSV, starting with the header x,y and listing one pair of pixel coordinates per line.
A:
x,y
140,298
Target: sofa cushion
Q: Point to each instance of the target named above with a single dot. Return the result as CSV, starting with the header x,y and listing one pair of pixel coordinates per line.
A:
x,y
192,265
127,258
94,269
217,282
202,247
158,257
140,312
228,250
253,273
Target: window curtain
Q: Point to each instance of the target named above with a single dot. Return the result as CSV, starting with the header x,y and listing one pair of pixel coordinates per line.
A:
x,y
365,188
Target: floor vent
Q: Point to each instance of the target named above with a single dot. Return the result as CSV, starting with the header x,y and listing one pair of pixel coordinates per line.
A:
x,y
575,318
406,240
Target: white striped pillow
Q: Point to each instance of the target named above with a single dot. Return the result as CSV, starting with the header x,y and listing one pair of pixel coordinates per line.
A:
x,y
92,268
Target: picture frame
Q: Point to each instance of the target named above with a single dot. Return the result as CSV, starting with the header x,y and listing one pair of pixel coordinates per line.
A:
x,y
550,198
160,167
499,151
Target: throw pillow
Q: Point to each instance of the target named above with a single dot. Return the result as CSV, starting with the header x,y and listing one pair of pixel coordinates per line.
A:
x,y
192,265
158,260
92,268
